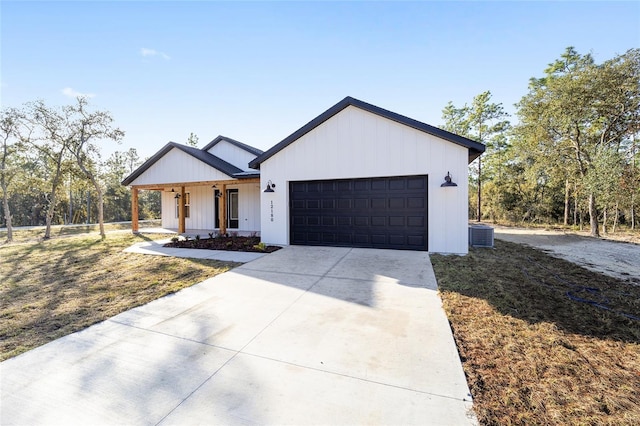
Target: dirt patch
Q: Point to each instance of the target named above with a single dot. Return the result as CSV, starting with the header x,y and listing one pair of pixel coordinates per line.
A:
x,y
614,258
247,244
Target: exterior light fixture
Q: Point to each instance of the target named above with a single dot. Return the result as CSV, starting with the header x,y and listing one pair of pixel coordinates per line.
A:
x,y
177,196
214,186
447,181
270,186
172,190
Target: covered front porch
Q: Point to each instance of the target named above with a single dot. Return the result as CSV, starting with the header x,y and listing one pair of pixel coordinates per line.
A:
x,y
200,208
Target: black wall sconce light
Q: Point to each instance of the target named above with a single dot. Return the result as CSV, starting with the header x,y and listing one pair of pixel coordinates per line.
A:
x,y
177,196
270,186
448,181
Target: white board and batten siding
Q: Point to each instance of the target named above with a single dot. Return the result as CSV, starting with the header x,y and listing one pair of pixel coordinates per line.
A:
x,y
232,154
358,144
202,208
178,166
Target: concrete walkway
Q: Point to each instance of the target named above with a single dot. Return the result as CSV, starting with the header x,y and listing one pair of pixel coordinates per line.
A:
x,y
305,335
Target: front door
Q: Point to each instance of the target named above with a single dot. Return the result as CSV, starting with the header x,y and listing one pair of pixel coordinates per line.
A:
x,y
232,208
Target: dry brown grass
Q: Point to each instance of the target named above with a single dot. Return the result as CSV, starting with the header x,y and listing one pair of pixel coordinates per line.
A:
x,y
533,355
53,288
35,233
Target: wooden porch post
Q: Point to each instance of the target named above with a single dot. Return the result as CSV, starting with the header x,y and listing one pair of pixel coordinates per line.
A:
x,y
134,209
181,212
222,214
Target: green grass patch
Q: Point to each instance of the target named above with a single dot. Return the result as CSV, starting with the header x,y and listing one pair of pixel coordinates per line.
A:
x,y
543,341
52,288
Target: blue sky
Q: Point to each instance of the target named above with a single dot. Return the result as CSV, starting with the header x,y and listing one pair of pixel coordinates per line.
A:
x,y
257,71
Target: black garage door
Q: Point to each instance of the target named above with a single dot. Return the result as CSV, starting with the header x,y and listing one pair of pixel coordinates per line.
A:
x,y
388,212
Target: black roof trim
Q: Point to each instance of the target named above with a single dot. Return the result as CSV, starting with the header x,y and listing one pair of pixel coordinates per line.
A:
x,y
207,158
248,148
475,148
247,175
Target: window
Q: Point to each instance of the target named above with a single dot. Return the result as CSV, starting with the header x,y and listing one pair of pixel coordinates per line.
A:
x,y
187,205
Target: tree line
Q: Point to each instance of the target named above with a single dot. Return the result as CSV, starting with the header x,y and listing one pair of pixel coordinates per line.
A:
x,y
572,157
52,172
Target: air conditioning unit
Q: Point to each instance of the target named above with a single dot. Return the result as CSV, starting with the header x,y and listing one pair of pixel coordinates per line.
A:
x,y
480,236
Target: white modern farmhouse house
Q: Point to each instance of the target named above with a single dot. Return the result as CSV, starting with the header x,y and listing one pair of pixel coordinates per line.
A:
x,y
356,175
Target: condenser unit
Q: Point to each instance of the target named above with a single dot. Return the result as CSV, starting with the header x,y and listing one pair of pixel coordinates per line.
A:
x,y
480,236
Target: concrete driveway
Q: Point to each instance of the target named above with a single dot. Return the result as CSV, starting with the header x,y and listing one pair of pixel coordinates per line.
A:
x,y
306,335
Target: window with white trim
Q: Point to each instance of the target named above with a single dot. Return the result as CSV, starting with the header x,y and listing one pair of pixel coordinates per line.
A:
x,y
187,205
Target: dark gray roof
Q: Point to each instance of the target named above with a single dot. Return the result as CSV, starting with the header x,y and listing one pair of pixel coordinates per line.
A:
x,y
207,158
475,148
248,148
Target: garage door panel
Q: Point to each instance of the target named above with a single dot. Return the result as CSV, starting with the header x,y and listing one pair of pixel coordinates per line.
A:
x,y
362,239
397,240
329,221
328,186
416,183
396,221
377,239
397,184
329,204
361,221
378,203
345,238
416,240
416,222
361,203
343,203
378,221
359,185
376,212
415,202
396,203
345,221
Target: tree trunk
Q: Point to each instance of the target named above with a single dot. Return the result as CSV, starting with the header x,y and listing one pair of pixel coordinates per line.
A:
x,y
50,212
615,218
604,220
566,202
96,185
479,189
575,204
593,216
633,213
7,213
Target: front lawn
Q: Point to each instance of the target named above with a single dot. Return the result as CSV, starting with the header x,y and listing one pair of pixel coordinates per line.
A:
x,y
543,341
53,288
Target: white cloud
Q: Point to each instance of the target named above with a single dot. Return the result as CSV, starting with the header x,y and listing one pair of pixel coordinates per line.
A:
x,y
152,52
68,91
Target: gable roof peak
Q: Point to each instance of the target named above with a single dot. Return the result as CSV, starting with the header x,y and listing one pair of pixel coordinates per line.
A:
x,y
475,148
204,156
250,149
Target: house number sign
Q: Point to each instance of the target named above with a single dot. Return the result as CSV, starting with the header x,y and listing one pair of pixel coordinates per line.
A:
x,y
271,210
